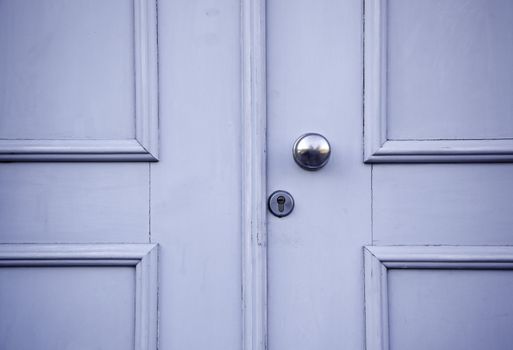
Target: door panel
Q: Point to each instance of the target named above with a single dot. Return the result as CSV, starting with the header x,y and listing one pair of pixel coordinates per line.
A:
x,y
67,69
314,65
450,309
79,80
73,203
468,204
78,296
437,81
449,72
437,297
40,307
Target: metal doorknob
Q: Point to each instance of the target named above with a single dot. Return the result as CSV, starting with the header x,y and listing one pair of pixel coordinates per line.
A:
x,y
311,151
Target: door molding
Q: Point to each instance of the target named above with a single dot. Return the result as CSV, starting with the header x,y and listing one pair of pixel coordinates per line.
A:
x,y
143,257
254,188
379,260
378,147
144,146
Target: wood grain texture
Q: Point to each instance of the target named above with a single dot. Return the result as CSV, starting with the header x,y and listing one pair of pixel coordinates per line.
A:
x,y
144,147
254,172
379,148
380,259
141,256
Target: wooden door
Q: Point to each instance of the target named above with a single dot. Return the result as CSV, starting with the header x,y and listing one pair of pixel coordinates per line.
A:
x,y
415,99
119,132
139,144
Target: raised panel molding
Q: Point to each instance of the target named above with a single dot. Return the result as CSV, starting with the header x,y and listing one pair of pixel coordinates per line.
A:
x,y
143,257
144,147
379,260
378,148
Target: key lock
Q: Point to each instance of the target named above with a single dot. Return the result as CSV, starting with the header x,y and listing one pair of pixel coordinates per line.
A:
x,y
311,152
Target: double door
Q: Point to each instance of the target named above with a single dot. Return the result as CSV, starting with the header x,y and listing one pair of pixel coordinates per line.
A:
x,y
138,155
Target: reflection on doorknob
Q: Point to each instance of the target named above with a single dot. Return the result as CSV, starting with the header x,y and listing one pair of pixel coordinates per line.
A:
x,y
311,151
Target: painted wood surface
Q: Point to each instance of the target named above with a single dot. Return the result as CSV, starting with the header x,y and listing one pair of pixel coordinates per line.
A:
x,y
467,204
63,74
40,307
79,81
49,284
254,175
413,291
449,72
196,185
426,98
204,202
74,203
315,266
195,208
480,319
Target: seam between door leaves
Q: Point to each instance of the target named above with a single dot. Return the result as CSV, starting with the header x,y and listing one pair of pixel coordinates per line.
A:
x,y
372,203
149,202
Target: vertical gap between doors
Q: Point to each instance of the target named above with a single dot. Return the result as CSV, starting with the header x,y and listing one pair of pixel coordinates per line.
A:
x,y
149,202
372,203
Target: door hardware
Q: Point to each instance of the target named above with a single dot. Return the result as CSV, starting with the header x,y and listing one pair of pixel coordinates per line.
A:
x,y
280,203
311,151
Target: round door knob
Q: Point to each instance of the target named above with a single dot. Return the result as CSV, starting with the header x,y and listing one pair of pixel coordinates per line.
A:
x,y
311,151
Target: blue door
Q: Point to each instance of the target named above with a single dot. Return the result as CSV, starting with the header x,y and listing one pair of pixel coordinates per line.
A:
x,y
141,142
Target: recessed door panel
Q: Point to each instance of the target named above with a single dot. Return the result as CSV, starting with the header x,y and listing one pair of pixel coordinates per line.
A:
x,y
73,203
443,204
450,309
449,69
67,69
67,308
438,81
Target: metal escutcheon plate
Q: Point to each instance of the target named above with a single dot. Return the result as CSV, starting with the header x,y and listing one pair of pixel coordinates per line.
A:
x,y
280,203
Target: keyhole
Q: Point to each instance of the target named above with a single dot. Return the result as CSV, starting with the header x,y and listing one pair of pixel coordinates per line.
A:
x,y
281,203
